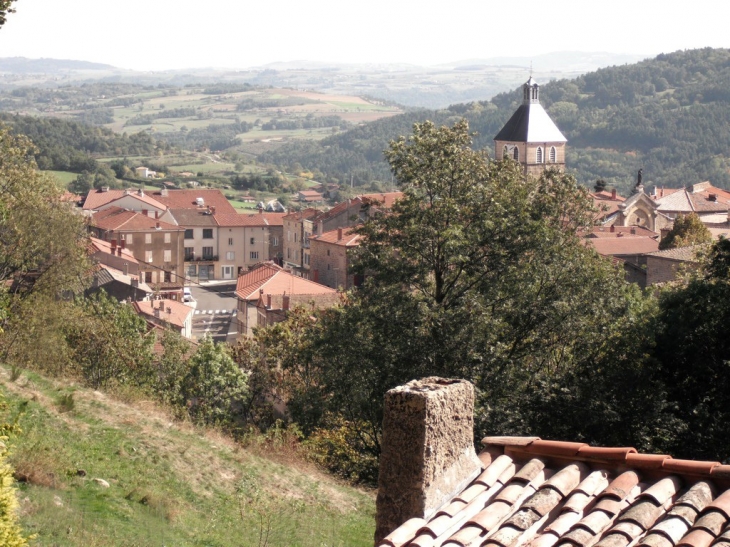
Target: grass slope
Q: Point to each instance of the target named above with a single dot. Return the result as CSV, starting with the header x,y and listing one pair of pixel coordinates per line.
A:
x,y
169,483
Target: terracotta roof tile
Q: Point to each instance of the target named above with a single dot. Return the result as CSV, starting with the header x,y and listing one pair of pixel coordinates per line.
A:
x,y
177,316
249,219
623,245
272,279
187,199
347,239
121,219
685,254
97,198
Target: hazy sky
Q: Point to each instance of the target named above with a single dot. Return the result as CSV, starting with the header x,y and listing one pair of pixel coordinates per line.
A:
x,y
167,34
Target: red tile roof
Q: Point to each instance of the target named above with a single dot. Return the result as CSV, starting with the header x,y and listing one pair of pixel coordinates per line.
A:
x,y
187,199
610,246
541,493
120,219
605,203
249,219
177,316
626,231
273,279
98,198
682,254
348,239
99,245
307,214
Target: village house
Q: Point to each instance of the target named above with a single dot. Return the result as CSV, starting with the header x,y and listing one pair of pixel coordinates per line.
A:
x,y
435,489
309,196
116,272
331,258
167,313
269,279
247,239
156,245
298,228
664,266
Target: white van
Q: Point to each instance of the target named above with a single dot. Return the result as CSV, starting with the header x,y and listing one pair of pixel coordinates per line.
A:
x,y
187,295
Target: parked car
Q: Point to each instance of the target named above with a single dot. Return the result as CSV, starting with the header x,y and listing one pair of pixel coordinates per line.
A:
x,y
187,295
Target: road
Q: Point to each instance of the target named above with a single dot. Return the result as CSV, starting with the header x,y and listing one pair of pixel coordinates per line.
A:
x,y
215,313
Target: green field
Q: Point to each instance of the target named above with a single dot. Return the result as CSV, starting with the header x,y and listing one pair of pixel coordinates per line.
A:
x,y
169,483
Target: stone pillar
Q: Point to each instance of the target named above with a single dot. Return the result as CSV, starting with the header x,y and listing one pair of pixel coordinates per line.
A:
x,y
427,450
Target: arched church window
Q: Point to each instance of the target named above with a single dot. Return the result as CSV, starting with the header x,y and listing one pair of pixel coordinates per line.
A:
x,y
553,154
516,154
505,152
538,155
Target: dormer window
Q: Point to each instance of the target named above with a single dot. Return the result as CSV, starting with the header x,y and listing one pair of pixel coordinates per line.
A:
x,y
538,155
553,154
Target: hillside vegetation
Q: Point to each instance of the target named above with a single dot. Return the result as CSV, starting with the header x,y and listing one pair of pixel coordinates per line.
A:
x,y
169,483
669,115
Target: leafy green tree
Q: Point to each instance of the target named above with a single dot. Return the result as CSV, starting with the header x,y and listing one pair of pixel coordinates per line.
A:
x,y
478,273
687,230
5,8
215,389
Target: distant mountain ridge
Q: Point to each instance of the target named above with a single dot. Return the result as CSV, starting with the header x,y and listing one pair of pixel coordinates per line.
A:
x,y
23,65
669,115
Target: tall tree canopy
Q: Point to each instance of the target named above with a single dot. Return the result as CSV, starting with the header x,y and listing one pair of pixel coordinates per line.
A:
x,y
478,273
5,8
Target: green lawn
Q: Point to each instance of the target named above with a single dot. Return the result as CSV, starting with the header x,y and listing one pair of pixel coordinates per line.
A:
x,y
169,483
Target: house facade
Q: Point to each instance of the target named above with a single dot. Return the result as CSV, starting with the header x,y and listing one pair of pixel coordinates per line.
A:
x,y
331,257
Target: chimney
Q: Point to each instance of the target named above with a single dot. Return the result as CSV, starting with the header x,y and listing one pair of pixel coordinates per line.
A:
x,y
339,234
162,304
140,192
157,215
163,192
114,244
285,302
613,193
427,453
157,313
613,228
713,197
212,209
125,268
145,212
157,225
169,310
122,243
119,251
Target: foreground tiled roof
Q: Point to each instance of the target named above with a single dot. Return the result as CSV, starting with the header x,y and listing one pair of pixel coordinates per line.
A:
x,y
535,493
101,246
124,220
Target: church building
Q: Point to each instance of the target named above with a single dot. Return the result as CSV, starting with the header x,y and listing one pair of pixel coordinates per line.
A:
x,y
530,137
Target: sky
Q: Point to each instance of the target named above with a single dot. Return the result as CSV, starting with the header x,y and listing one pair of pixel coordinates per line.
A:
x,y
176,34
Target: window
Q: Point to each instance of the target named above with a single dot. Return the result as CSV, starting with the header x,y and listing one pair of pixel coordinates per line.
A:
x,y
306,259
189,233
253,241
167,237
295,237
328,252
167,255
148,238
553,154
148,277
168,277
516,154
254,255
505,152
230,241
207,253
207,233
230,255
288,253
192,270
129,239
538,155
148,256
275,242
189,254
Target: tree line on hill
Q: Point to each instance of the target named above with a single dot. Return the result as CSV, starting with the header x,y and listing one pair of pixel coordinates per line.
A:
x,y
668,115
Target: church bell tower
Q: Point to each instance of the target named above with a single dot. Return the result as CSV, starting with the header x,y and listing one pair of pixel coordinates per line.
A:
x,y
530,137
